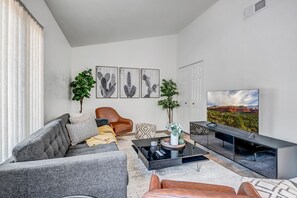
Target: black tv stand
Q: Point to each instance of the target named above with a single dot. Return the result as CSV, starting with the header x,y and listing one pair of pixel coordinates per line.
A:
x,y
212,124
251,136
267,156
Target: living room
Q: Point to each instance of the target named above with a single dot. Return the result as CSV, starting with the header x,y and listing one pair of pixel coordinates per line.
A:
x,y
233,44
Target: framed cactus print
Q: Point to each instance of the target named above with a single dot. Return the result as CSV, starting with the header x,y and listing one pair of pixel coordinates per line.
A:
x,y
107,82
150,83
129,82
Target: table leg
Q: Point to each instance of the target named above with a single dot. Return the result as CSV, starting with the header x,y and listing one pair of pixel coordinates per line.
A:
x,y
198,166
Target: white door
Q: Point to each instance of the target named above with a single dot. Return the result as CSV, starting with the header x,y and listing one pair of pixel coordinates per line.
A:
x,y
184,89
190,86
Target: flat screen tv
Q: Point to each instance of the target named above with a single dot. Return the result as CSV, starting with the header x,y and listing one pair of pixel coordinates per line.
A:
x,y
235,108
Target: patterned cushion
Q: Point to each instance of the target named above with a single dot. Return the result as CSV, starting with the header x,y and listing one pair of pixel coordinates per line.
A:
x,y
269,188
80,132
144,130
196,129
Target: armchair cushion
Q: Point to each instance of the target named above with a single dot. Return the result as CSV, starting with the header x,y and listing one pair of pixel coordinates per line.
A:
x,y
120,126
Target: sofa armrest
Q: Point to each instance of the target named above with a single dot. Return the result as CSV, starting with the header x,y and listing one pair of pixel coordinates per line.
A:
x,y
99,175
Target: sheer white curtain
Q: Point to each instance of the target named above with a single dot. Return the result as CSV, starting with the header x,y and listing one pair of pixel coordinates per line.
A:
x,y
21,75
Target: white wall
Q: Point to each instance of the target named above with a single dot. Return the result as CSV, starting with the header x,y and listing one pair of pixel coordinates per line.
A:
x,y
57,56
158,53
260,52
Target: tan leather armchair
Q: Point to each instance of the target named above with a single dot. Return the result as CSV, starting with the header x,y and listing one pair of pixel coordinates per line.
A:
x,y
175,189
119,124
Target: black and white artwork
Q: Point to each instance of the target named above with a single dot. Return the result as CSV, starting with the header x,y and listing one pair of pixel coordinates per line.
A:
x,y
150,83
129,82
107,82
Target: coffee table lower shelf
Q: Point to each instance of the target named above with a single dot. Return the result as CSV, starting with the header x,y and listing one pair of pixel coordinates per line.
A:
x,y
153,161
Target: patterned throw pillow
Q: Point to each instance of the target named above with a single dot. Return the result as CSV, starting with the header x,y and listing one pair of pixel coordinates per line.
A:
x,y
145,130
270,188
81,131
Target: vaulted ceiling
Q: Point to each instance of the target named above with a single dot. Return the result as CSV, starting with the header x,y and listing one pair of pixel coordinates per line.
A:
x,y
89,22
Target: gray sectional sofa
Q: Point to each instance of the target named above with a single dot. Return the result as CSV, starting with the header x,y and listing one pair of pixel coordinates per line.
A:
x,y
46,165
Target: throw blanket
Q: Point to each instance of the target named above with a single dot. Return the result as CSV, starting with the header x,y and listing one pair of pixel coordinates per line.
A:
x,y
106,136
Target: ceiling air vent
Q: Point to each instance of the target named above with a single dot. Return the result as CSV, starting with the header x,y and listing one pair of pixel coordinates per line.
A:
x,y
253,9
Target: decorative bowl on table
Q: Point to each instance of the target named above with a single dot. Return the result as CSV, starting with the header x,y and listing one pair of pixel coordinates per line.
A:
x,y
166,143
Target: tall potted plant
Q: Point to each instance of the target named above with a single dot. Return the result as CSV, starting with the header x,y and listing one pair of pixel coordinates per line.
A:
x,y
168,90
82,85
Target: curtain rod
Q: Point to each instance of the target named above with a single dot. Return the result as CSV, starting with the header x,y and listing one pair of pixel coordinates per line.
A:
x,y
26,9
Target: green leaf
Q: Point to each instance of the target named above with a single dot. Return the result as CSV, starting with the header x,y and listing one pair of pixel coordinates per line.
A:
x,y
82,85
168,90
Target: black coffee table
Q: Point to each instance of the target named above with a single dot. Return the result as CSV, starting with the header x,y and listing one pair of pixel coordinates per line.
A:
x,y
171,157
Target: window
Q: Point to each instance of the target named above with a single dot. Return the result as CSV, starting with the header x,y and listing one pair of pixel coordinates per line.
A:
x,y
21,75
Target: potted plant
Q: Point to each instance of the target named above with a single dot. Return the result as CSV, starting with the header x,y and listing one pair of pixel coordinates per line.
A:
x,y
82,86
168,90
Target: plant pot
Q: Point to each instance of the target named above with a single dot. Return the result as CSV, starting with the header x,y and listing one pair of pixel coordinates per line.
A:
x,y
173,139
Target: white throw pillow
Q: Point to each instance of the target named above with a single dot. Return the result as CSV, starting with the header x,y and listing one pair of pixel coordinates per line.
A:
x,y
82,131
81,118
273,188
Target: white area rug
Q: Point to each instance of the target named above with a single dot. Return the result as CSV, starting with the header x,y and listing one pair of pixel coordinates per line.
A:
x,y
139,176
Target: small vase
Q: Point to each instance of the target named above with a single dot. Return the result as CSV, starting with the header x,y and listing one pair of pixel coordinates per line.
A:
x,y
181,141
173,139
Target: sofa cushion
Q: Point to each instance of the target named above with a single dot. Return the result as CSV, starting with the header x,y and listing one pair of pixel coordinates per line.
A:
x,y
83,149
51,141
81,131
81,118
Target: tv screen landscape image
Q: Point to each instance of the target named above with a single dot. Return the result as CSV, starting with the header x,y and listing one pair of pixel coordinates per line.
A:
x,y
235,108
